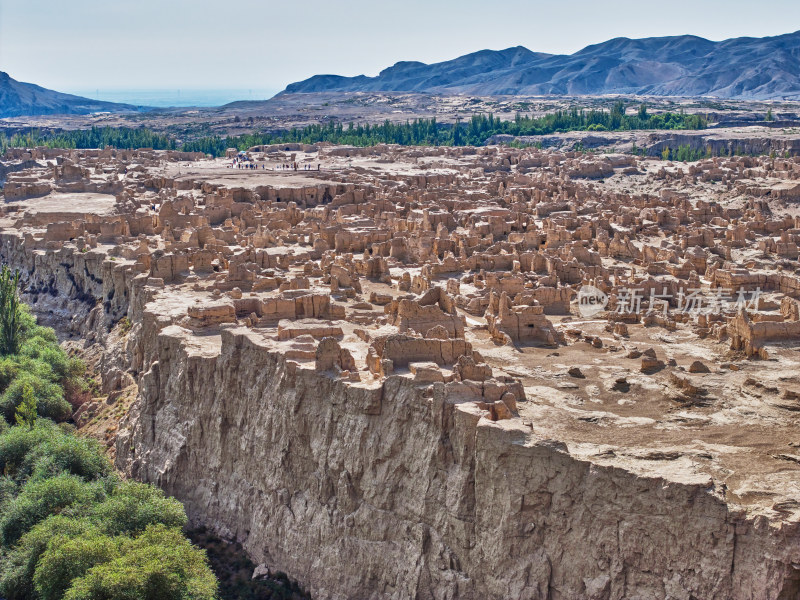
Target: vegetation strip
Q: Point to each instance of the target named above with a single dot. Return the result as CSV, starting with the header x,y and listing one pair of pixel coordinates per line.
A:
x,y
426,132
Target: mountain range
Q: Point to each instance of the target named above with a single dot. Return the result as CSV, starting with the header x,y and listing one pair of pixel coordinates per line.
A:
x,y
686,65
739,68
27,99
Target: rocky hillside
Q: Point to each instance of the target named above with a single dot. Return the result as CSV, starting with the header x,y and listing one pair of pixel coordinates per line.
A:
x,y
747,68
26,99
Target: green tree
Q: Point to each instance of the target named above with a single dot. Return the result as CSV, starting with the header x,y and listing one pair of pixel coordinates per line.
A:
x,y
39,499
769,116
457,135
49,395
19,564
63,512
67,558
616,115
134,506
160,564
9,311
26,411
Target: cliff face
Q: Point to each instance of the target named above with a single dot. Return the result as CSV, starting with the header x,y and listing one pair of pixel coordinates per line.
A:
x,y
77,293
392,491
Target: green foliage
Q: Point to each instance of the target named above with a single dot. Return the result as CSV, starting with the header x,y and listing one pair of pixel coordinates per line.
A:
x,y
39,499
67,558
427,132
67,453
29,328
48,450
19,566
685,153
475,132
17,444
25,415
64,515
38,366
9,311
133,506
159,564
39,348
458,138
769,116
9,369
8,488
96,137
68,526
49,397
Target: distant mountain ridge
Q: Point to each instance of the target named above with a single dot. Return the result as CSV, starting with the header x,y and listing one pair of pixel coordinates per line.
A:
x,y
19,99
686,65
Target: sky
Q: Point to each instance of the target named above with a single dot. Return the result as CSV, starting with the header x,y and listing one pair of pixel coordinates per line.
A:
x,y
78,45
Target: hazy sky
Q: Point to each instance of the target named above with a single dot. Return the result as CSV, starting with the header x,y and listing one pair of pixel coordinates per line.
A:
x,y
82,44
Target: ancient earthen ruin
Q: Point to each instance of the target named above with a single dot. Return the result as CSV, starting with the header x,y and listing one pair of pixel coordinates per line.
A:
x,y
442,372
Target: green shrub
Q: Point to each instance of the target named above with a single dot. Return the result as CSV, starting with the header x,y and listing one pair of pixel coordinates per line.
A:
x,y
68,527
25,415
40,499
19,565
27,321
18,442
40,349
9,369
48,450
159,564
34,368
133,506
49,398
69,454
67,558
8,488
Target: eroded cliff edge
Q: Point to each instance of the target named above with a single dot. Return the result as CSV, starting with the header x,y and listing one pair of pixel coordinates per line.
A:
x,y
392,491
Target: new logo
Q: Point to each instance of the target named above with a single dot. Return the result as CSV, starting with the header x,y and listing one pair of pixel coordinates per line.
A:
x,y
591,301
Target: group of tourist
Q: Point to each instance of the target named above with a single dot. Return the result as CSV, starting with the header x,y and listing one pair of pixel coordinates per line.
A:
x,y
240,163
293,166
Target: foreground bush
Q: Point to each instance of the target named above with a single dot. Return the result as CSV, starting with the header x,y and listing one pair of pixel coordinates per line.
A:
x,y
67,558
70,529
160,563
40,499
46,449
19,563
